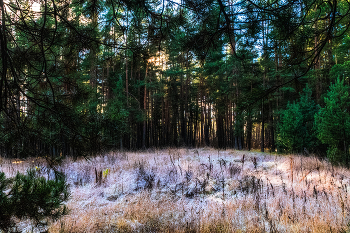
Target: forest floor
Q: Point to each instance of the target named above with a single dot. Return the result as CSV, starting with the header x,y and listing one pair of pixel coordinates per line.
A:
x,y
199,190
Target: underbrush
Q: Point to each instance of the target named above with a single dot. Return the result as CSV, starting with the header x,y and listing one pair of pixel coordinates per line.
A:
x,y
202,190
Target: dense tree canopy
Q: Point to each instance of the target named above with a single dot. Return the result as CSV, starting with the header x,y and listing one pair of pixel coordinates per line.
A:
x,y
80,77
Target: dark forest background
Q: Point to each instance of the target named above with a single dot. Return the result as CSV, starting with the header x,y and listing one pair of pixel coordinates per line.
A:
x,y
83,77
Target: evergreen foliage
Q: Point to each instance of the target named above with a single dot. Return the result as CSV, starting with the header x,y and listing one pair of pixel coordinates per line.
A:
x,y
296,128
29,196
83,77
333,122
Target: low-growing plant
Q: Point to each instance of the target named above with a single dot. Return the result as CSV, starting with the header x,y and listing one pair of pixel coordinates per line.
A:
x,y
250,184
234,169
29,196
105,173
145,179
81,178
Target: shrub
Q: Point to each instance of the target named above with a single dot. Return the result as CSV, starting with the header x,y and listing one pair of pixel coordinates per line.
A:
x,y
29,196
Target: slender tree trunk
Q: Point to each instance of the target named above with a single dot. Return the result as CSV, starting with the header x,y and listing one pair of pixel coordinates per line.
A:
x,y
262,126
145,110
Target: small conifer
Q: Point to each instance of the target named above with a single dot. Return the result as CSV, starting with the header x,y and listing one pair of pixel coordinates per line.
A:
x,y
30,196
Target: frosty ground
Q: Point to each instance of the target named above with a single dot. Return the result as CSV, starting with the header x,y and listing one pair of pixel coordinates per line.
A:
x,y
199,190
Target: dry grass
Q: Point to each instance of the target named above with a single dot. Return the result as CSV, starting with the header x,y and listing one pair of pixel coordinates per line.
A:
x,y
201,190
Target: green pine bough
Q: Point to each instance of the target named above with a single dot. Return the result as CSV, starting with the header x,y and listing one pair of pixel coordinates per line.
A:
x,y
29,196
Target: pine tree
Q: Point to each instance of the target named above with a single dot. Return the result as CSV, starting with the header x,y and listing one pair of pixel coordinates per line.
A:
x,y
296,130
333,122
30,196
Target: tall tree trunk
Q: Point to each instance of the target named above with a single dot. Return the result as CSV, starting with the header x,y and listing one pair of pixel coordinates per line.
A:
x,y
262,126
145,109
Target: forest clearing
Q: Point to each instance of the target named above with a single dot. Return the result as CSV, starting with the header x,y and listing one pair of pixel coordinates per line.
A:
x,y
198,190
89,89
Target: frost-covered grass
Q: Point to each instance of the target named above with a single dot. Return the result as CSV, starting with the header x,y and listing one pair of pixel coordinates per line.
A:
x,y
200,190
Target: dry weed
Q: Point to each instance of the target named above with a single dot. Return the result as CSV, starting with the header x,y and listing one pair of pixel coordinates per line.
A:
x,y
200,190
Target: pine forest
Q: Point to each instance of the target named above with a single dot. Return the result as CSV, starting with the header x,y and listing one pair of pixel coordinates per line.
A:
x,y
87,78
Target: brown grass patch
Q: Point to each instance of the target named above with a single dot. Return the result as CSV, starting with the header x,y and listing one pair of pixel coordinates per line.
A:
x,y
201,190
